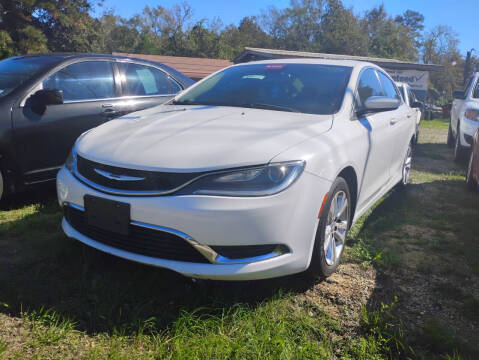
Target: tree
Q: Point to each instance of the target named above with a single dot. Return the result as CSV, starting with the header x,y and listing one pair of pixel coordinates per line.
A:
x,y
387,38
440,46
48,25
414,21
341,32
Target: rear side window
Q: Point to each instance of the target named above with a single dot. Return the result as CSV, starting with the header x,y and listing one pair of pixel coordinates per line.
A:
x,y
412,97
89,80
141,80
388,86
476,91
369,86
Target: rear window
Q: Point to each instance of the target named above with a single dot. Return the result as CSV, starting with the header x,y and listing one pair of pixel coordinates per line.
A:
x,y
304,88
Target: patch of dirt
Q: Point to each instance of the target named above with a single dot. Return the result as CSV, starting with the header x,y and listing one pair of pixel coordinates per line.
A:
x,y
344,294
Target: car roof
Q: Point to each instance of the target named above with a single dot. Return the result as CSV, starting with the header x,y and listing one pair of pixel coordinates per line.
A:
x,y
67,56
349,63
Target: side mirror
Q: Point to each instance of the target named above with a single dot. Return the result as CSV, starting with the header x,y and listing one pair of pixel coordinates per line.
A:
x,y
417,104
458,94
379,103
42,98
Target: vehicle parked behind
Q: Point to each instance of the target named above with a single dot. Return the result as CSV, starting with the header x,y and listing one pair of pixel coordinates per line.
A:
x,y
472,175
257,171
464,118
47,101
411,101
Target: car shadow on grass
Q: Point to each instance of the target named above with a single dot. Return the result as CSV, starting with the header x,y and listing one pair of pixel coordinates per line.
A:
x,y
423,242
43,269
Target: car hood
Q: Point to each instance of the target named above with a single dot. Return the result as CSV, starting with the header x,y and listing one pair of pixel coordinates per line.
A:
x,y
198,138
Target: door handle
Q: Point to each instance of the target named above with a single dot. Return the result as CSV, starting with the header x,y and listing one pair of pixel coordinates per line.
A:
x,y
111,112
393,121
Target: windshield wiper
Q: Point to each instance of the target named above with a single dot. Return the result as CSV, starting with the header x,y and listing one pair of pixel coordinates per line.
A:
x,y
187,102
269,107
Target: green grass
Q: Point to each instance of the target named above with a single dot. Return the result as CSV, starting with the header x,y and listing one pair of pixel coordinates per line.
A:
x,y
62,300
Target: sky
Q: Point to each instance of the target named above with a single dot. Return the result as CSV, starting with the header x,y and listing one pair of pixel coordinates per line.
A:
x,y
460,15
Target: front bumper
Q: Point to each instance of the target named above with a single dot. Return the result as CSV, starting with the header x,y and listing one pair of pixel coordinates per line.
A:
x,y
288,218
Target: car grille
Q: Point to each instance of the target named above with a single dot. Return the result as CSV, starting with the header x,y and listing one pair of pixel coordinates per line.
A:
x,y
143,241
148,181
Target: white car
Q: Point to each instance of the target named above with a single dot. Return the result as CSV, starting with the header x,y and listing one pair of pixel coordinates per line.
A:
x,y
257,171
464,118
411,101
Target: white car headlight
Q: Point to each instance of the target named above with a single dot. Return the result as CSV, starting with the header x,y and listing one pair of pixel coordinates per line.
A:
x,y
255,181
472,114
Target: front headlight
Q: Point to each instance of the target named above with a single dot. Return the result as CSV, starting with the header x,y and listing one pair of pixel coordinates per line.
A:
x,y
472,114
70,162
255,181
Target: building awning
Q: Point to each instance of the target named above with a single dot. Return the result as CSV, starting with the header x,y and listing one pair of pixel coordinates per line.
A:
x,y
195,68
253,54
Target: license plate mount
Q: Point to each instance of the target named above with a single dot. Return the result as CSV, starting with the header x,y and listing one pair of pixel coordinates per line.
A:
x,y
109,215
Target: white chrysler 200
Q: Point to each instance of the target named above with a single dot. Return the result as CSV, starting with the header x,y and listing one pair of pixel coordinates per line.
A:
x,y
257,171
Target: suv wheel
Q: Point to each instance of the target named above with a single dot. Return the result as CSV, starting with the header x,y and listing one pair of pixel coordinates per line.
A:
x,y
470,182
450,137
332,231
459,151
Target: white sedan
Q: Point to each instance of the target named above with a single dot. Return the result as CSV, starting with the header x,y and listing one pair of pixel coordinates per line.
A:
x,y
255,172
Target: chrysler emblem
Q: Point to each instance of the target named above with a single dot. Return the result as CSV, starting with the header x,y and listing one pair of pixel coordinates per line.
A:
x,y
117,177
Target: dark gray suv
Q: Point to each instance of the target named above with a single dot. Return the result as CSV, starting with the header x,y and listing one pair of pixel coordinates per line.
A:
x,y
47,101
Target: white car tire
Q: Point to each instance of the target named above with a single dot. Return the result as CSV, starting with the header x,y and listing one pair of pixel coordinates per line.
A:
x,y
332,231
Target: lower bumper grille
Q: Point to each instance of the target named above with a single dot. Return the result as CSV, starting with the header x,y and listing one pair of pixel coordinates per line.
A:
x,y
142,241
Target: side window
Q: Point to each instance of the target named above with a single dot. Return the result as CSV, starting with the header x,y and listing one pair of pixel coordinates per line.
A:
x,y
476,90
388,86
368,86
88,80
144,80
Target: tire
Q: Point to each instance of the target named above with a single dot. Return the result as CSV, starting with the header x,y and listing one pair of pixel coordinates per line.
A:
x,y
459,150
450,137
470,182
406,168
332,231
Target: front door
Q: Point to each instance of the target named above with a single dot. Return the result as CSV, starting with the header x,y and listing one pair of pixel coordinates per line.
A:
x,y
42,142
376,172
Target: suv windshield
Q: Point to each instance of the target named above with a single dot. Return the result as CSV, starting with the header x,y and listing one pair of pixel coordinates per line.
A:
x,y
305,88
15,71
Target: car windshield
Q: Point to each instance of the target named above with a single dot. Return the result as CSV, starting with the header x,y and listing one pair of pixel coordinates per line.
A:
x,y
15,71
304,88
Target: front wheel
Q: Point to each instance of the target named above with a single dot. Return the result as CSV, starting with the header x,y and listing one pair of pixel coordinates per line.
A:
x,y
332,230
470,182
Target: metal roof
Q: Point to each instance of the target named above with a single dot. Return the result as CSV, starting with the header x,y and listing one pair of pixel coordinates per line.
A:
x,y
252,54
195,68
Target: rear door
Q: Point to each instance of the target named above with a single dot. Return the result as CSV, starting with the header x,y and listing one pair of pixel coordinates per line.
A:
x,y
402,124
145,86
43,142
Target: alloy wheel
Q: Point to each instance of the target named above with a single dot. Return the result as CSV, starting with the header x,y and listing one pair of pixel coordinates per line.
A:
x,y
336,228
